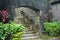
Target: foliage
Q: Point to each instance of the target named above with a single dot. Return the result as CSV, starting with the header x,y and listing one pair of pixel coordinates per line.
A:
x,y
17,36
9,29
52,28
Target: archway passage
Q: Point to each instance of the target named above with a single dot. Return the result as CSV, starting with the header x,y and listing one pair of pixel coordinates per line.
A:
x,y
28,12
29,17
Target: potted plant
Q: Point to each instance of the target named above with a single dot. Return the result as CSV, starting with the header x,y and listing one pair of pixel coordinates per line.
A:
x,y
8,29
52,29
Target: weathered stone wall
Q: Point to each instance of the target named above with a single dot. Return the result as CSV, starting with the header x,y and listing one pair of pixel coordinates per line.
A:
x,y
56,11
42,5
12,4
34,4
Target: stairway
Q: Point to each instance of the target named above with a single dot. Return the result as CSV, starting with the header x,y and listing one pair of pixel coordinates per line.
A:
x,y
29,36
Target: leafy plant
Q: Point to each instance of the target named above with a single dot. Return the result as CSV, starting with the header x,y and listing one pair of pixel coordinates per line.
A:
x,y
9,29
17,36
52,28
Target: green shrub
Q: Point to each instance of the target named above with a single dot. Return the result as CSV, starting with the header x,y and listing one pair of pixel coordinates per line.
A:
x,y
52,28
9,29
17,36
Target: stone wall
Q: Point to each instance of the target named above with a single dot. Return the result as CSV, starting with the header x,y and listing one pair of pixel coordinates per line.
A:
x,y
56,11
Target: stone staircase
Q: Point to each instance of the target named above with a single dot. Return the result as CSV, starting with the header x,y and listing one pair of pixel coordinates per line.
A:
x,y
29,36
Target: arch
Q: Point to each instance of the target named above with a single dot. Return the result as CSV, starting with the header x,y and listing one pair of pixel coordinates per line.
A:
x,y
31,7
27,12
26,9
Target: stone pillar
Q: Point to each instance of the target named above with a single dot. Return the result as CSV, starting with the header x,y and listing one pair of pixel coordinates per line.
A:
x,y
44,16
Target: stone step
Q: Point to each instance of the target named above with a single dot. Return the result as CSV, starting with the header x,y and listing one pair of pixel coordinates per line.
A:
x,y
28,38
28,35
28,32
31,39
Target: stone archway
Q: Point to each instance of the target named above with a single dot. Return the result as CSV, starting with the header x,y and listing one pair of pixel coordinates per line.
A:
x,y
30,16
